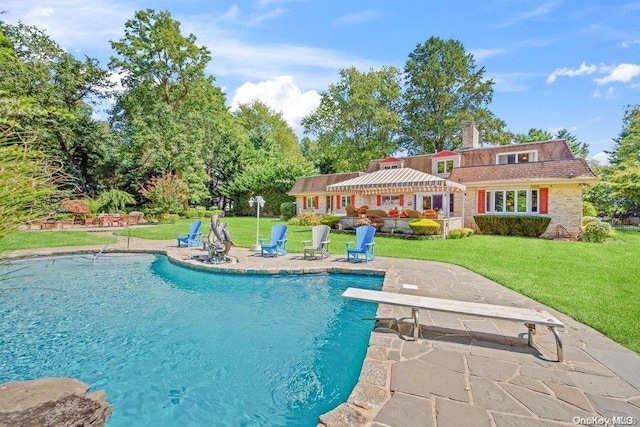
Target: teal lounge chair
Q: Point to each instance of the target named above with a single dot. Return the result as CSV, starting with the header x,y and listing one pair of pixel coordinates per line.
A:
x,y
320,242
363,244
193,237
278,244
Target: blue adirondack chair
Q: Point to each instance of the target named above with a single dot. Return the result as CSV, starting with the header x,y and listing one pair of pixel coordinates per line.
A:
x,y
363,244
193,237
278,243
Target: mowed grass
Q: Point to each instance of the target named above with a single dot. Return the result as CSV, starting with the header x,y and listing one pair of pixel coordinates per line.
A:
x,y
596,284
50,239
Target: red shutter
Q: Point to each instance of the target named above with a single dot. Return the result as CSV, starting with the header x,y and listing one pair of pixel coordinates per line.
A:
x,y
481,201
338,202
402,200
379,200
544,200
317,203
304,202
353,200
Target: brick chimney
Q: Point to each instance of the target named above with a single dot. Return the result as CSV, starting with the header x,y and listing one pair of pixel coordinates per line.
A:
x,y
470,136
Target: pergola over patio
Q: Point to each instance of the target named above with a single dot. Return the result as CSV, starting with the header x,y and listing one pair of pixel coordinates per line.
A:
x,y
405,180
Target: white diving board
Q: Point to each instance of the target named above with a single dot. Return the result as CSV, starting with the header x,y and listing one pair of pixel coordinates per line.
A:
x,y
530,317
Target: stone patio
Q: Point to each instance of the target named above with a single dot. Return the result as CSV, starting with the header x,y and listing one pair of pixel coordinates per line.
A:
x,y
464,370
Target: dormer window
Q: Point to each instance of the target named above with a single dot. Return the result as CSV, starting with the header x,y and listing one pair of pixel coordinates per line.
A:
x,y
519,157
390,166
442,163
390,163
444,166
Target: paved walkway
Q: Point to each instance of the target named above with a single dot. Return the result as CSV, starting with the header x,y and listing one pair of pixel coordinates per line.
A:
x,y
464,370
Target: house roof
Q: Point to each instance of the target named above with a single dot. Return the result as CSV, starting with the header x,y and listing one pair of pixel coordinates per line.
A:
x,y
445,153
318,183
390,160
572,170
390,180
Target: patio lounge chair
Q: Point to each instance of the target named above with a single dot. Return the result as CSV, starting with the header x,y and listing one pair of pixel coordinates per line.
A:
x,y
319,243
193,237
278,243
363,244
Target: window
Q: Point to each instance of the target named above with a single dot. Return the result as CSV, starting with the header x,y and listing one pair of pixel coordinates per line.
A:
x,y
311,202
444,166
511,158
344,201
391,200
512,201
390,167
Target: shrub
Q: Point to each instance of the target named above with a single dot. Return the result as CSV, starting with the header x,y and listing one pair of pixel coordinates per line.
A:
x,y
114,200
331,221
309,218
424,226
167,193
294,221
596,231
287,210
512,225
588,209
468,231
587,219
458,233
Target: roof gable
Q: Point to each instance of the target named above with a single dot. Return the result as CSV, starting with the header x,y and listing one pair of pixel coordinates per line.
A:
x,y
445,153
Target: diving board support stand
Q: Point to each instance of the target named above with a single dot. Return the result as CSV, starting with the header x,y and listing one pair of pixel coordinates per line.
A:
x,y
530,317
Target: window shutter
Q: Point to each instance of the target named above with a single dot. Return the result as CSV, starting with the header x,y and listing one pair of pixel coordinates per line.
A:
x,y
338,201
317,202
379,200
481,201
353,200
402,200
544,200
304,202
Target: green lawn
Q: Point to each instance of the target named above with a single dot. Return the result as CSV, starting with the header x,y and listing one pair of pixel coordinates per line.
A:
x,y
50,239
596,284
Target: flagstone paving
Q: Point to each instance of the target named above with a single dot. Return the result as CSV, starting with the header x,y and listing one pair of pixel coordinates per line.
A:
x,y
463,370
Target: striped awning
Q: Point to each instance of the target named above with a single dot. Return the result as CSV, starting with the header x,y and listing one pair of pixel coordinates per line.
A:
x,y
394,180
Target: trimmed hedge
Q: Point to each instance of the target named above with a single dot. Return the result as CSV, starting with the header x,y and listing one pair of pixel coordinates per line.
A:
x,y
596,231
424,226
287,210
331,221
512,225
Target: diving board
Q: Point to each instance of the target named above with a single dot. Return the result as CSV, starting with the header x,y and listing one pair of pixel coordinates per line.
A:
x,y
530,317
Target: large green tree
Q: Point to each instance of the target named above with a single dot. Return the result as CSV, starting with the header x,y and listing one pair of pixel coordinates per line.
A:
x,y
624,176
169,107
444,89
273,161
48,94
579,149
358,119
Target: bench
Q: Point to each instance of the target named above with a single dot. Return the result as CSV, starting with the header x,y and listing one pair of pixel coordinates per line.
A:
x,y
530,317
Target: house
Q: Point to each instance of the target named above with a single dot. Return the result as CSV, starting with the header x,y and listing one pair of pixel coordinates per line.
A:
x,y
537,178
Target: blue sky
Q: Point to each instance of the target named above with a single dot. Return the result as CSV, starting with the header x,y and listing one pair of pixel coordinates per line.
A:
x,y
555,64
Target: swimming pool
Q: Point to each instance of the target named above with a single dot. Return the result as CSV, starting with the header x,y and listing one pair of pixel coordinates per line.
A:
x,y
176,346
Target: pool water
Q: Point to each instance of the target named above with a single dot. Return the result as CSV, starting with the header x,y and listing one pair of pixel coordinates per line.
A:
x,y
175,346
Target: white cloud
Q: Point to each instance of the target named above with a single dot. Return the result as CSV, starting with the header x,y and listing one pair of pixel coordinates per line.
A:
x,y
601,158
356,18
282,95
542,10
584,69
608,94
482,54
621,73
629,43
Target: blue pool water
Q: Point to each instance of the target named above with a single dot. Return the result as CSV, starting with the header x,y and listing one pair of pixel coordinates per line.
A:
x,y
174,346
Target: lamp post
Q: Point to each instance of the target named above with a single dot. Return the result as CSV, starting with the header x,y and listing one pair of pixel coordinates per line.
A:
x,y
259,202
